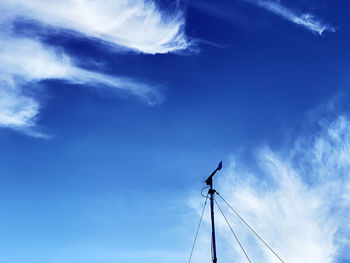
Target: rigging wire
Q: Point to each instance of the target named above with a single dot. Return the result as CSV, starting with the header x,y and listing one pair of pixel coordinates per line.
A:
x,y
206,187
199,225
251,229
239,243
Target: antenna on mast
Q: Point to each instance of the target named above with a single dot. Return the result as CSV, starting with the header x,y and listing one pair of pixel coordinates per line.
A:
x,y
211,192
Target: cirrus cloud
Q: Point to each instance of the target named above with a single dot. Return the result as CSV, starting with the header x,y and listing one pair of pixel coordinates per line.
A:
x,y
137,24
306,20
25,62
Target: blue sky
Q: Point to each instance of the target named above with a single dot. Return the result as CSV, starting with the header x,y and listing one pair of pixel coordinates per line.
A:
x,y
112,113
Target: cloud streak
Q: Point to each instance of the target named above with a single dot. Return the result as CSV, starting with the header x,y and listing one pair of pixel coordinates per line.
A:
x,y
30,60
17,111
26,62
306,20
137,24
296,198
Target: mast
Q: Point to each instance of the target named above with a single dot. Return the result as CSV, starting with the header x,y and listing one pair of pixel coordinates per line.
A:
x,y
211,192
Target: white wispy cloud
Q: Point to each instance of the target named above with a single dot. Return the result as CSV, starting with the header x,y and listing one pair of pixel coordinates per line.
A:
x,y
27,61
17,110
31,60
135,24
296,198
306,20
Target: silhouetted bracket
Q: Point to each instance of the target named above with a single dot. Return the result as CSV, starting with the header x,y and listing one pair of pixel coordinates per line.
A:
x,y
209,180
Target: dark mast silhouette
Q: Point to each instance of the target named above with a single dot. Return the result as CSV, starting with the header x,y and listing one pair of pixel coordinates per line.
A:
x,y
211,195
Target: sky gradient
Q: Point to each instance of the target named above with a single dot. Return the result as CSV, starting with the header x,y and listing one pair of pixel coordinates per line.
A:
x,y
113,113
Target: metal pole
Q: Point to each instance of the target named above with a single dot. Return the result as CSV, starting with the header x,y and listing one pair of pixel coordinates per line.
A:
x,y
211,192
